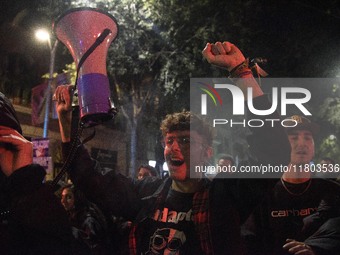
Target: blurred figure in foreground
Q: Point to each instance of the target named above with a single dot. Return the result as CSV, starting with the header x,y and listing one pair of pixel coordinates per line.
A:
x,y
32,221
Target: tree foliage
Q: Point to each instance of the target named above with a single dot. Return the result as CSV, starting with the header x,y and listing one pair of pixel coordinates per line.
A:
x,y
159,46
329,117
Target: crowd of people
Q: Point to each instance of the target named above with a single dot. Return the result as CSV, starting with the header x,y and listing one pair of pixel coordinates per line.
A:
x,y
113,214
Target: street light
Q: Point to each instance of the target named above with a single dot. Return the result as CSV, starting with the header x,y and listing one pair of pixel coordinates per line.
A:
x,y
43,35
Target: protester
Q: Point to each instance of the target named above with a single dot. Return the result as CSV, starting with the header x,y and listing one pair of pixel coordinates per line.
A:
x,y
225,160
295,196
324,241
32,219
89,225
182,214
321,230
145,170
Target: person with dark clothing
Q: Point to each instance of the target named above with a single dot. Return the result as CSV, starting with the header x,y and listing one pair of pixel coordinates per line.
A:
x,y
89,226
183,215
145,170
325,240
321,230
32,219
279,220
281,215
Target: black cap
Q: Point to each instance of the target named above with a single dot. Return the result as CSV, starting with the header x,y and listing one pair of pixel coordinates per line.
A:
x,y
297,122
8,116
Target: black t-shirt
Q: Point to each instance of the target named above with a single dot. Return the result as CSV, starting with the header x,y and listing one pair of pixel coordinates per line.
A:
x,y
171,229
288,206
281,214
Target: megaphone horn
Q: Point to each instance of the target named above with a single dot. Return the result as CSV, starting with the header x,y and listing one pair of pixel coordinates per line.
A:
x,y
88,33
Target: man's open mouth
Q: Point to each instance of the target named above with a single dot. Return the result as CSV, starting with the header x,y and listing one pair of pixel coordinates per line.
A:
x,y
176,162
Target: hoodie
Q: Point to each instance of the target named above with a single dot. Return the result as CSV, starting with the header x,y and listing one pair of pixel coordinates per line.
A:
x,y
8,116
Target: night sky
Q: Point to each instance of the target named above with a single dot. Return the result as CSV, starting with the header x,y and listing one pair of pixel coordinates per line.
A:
x,y
299,38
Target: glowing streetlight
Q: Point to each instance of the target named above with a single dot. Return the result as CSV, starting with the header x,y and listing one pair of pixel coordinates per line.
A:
x,y
43,35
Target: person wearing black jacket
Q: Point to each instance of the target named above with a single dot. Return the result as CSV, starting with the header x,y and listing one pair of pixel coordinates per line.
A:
x,y
89,226
32,219
321,230
182,215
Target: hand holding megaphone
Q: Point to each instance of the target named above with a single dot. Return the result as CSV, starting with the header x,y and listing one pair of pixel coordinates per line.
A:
x,y
63,99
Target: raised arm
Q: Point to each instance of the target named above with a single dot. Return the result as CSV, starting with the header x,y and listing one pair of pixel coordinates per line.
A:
x,y
227,55
268,144
85,172
63,98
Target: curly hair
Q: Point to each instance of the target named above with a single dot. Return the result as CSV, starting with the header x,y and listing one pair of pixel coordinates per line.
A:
x,y
186,120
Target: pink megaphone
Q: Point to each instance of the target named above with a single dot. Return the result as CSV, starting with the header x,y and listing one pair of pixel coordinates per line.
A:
x,y
88,33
